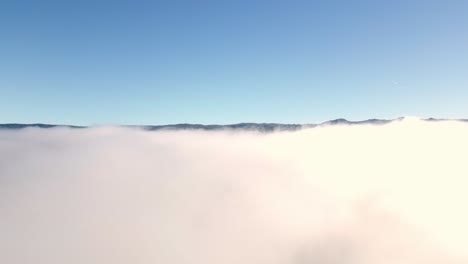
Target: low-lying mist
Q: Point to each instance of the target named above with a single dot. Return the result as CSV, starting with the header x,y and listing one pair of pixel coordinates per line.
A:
x,y
362,194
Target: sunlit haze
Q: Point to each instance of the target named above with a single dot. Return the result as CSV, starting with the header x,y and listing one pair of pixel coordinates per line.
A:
x,y
334,194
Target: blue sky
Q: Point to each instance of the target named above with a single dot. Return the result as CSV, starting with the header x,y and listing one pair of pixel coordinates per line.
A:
x,y
159,62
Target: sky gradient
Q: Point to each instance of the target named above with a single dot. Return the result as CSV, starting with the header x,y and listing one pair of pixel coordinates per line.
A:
x,y
161,62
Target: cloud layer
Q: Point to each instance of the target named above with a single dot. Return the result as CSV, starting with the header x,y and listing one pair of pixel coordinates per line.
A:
x,y
363,194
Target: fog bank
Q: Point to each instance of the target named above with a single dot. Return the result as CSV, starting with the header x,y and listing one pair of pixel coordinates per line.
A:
x,y
363,194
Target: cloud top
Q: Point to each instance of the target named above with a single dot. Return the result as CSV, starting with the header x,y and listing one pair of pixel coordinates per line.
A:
x,y
328,195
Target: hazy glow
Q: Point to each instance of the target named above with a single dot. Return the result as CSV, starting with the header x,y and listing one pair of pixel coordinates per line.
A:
x,y
329,195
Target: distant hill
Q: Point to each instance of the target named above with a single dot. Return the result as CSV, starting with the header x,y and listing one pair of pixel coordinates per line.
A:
x,y
261,127
38,125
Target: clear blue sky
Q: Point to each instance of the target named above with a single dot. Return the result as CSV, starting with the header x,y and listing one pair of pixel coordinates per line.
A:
x,y
158,62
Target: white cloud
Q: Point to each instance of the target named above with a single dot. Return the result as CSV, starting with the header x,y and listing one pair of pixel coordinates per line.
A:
x,y
330,195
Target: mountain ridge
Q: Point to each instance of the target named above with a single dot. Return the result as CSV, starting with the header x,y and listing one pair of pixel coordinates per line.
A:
x,y
262,127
